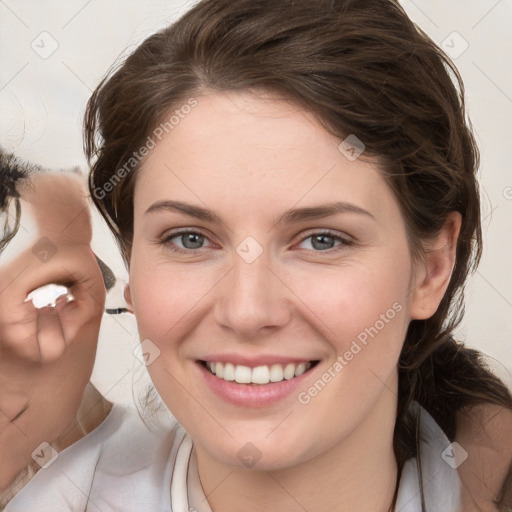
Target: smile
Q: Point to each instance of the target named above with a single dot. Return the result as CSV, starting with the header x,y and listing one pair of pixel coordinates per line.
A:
x,y
263,374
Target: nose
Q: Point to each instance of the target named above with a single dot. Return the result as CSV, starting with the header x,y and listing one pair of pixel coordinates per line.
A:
x,y
253,301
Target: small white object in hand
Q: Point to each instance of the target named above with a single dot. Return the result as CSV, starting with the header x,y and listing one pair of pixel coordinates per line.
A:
x,y
47,295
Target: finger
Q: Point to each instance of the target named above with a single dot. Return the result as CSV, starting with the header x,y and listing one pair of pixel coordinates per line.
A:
x,y
50,337
18,331
78,270
87,306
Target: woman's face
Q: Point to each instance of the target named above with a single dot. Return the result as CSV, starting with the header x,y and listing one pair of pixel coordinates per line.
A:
x,y
262,249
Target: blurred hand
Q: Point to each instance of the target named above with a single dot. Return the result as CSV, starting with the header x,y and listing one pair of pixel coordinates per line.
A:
x,y
46,355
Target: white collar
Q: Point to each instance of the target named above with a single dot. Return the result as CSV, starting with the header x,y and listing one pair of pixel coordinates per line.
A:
x,y
441,483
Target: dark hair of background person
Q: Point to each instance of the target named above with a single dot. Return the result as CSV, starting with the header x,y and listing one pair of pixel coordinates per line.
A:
x,y
362,67
12,173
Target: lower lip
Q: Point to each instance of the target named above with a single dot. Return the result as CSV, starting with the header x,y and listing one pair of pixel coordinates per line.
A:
x,y
252,395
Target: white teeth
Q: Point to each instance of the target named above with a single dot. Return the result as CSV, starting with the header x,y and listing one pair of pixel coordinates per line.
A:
x,y
258,375
229,372
301,368
289,371
276,373
243,374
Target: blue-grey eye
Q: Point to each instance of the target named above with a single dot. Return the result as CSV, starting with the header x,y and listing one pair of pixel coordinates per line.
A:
x,y
320,242
191,240
185,241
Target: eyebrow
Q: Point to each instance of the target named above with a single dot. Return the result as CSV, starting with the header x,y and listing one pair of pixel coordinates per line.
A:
x,y
185,208
317,212
291,216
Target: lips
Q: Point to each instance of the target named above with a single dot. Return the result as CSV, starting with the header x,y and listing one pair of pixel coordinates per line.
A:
x,y
254,381
261,374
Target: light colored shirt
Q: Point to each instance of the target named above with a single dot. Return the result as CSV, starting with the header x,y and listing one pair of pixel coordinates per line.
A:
x,y
123,466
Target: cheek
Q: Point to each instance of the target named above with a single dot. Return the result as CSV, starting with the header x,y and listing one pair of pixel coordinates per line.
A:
x,y
348,299
363,314
166,297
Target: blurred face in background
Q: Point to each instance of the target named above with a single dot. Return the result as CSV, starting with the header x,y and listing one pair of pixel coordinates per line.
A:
x,y
47,354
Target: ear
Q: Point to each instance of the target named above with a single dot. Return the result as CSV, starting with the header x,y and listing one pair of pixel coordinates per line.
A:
x,y
433,274
128,298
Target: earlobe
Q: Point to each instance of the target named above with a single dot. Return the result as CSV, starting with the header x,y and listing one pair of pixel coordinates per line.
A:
x,y
433,276
128,298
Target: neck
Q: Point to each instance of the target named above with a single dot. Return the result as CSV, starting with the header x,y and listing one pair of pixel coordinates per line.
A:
x,y
359,473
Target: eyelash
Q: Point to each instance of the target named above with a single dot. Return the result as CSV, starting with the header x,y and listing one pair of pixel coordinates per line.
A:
x,y
344,242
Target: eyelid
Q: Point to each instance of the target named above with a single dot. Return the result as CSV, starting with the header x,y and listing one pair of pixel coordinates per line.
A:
x,y
327,231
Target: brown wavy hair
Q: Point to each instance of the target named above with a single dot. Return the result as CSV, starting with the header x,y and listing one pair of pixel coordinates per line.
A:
x,y
362,67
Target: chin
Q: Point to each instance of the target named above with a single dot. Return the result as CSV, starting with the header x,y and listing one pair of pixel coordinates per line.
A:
x,y
256,452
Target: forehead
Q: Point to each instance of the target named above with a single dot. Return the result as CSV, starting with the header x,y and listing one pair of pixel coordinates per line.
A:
x,y
239,151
